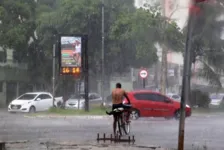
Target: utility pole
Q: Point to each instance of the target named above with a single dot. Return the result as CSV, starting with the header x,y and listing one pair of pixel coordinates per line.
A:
x,y
53,74
187,72
185,85
163,78
102,56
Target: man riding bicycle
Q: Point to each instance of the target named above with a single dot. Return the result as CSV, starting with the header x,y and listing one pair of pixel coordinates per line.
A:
x,y
117,101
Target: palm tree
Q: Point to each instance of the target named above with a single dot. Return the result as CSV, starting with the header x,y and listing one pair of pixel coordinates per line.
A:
x,y
208,46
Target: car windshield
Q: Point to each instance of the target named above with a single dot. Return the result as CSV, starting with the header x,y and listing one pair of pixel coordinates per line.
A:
x,y
175,96
27,97
77,96
216,96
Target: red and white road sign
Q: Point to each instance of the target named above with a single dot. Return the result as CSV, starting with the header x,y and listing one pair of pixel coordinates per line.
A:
x,y
143,73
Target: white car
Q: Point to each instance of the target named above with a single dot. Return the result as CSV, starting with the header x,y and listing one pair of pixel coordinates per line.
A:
x,y
174,96
78,101
217,99
31,102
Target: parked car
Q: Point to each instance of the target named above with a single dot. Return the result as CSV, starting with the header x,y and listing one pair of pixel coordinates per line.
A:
x,y
217,99
153,104
174,96
32,102
72,103
108,101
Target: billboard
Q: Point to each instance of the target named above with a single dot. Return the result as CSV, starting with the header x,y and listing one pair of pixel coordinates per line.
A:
x,y
71,51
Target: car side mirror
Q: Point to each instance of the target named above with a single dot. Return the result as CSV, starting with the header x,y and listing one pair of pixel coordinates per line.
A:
x,y
38,99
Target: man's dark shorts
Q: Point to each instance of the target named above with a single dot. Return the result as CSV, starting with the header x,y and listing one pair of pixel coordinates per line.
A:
x,y
125,106
114,106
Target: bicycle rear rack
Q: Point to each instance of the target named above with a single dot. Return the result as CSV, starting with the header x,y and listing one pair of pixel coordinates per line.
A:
x,y
115,139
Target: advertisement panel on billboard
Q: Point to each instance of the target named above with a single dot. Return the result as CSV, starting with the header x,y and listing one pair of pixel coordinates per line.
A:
x,y
71,51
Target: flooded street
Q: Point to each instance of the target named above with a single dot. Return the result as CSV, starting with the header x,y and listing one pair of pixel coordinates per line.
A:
x,y
78,133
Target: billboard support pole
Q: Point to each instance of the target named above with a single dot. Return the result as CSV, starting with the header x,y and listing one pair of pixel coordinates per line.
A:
x,y
86,73
53,75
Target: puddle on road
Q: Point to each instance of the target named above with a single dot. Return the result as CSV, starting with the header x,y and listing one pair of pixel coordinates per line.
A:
x,y
74,146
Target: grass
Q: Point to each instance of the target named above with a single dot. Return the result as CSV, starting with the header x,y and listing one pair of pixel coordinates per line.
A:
x,y
207,110
73,112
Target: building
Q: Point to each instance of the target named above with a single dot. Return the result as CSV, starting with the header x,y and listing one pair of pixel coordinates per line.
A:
x,y
13,77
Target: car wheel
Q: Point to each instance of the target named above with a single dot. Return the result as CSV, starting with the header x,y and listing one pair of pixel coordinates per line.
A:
x,y
134,114
32,109
177,114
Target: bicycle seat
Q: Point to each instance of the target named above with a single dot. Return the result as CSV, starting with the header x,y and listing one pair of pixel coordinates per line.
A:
x,y
127,105
118,109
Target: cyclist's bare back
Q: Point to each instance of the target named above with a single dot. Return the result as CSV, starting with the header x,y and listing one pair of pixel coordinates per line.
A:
x,y
117,95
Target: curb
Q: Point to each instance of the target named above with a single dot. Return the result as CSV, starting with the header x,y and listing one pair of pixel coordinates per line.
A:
x,y
67,117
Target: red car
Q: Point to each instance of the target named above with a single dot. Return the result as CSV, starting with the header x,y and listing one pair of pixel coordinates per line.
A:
x,y
153,104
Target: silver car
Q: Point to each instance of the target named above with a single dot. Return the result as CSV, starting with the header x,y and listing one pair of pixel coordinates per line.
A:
x,y
174,96
78,101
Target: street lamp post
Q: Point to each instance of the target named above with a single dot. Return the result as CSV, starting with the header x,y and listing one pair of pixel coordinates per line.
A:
x,y
102,55
53,74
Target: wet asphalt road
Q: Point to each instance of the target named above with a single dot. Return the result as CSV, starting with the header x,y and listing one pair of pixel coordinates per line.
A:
x,y
200,130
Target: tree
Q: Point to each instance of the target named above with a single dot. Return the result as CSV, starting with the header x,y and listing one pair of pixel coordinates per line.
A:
x,y
207,46
17,25
130,33
143,29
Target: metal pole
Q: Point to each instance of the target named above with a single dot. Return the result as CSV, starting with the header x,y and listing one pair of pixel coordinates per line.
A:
x,y
79,91
53,74
86,74
185,83
102,55
143,80
164,54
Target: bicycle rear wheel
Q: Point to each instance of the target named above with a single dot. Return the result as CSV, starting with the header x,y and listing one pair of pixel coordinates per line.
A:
x,y
126,124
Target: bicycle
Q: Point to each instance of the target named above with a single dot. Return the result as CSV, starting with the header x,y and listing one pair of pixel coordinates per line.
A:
x,y
122,121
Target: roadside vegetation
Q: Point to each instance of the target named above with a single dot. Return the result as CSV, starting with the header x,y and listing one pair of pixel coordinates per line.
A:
x,y
96,111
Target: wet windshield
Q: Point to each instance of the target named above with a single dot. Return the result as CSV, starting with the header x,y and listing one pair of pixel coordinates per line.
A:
x,y
27,97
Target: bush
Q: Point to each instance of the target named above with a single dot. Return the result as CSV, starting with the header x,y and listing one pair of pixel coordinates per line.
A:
x,y
200,99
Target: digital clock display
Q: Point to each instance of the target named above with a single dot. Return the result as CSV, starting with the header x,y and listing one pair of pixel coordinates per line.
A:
x,y
70,70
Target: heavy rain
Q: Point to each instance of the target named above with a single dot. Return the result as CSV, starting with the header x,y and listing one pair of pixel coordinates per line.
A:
x,y
71,71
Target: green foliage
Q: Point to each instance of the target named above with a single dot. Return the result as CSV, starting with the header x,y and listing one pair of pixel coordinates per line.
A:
x,y
208,46
130,33
201,99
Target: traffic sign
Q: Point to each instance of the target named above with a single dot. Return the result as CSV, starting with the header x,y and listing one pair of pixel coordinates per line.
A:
x,y
143,73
